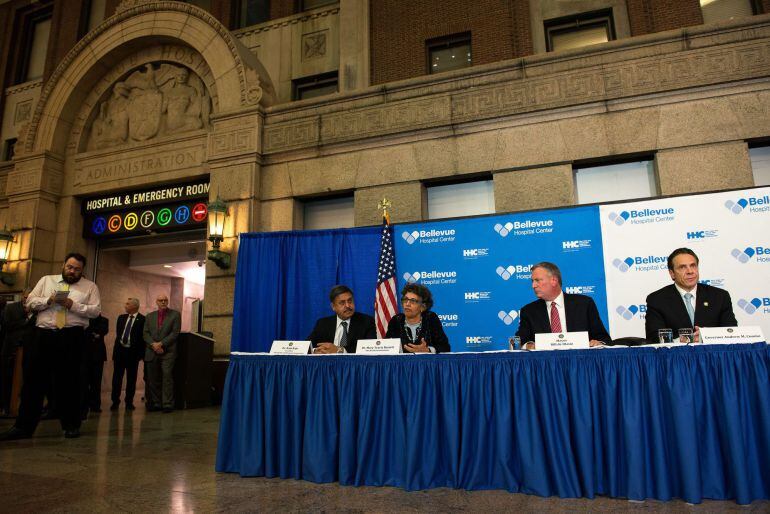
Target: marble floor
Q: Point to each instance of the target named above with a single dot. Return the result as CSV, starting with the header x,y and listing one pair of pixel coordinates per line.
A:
x,y
154,462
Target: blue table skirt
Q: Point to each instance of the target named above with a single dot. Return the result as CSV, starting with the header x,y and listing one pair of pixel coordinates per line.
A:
x,y
688,422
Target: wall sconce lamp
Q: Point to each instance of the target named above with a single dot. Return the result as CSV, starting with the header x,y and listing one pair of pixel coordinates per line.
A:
x,y
217,215
6,240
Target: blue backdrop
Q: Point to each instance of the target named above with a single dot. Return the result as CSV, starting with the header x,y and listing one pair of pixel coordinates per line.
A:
x,y
478,269
283,280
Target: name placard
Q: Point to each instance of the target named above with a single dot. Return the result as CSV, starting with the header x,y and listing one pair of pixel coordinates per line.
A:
x,y
562,341
732,335
378,346
290,348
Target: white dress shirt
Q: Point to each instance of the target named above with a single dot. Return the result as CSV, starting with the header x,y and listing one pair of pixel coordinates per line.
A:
x,y
86,303
559,301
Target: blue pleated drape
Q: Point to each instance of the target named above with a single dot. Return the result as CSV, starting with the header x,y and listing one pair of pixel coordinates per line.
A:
x,y
689,422
283,281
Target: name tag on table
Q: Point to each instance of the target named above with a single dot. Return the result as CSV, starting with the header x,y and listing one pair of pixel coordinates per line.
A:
x,y
731,335
290,348
562,341
378,346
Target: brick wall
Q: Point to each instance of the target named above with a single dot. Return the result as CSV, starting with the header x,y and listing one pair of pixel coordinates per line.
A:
x,y
647,16
499,30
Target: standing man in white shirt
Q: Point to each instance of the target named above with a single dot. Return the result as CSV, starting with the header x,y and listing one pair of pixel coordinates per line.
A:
x,y
64,303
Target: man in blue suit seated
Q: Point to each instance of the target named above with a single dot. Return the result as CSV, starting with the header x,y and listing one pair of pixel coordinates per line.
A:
x,y
686,303
340,333
556,311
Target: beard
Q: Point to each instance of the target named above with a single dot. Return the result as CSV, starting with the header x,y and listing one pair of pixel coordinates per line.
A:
x,y
70,279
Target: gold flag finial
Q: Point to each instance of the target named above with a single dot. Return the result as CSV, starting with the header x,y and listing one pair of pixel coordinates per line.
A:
x,y
383,206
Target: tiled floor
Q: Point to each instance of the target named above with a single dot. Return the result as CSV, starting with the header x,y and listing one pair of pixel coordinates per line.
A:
x,y
154,462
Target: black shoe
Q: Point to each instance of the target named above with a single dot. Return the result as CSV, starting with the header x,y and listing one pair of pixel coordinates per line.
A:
x,y
130,406
13,434
167,410
72,434
114,406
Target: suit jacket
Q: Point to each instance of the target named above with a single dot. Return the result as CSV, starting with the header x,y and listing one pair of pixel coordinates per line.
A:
x,y
431,330
94,335
166,334
580,310
17,326
665,309
135,338
361,326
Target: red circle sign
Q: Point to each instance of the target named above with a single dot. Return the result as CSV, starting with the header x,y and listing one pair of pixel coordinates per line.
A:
x,y
114,223
199,212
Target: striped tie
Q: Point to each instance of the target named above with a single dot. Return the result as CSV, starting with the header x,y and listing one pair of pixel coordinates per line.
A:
x,y
555,321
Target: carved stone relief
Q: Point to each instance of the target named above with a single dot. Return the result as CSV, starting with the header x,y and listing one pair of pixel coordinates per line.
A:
x,y
314,45
158,99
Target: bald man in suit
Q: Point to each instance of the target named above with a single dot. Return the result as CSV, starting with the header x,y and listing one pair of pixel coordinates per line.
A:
x,y
161,330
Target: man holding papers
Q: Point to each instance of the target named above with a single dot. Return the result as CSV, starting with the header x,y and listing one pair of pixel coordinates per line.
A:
x,y
340,333
555,311
686,303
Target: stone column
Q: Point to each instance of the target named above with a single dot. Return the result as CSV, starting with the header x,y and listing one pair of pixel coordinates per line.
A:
x,y
534,188
33,191
704,168
234,148
354,45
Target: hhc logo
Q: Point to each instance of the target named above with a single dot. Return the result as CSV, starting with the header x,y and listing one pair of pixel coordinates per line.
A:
x,y
579,289
701,234
503,230
410,237
473,253
507,317
751,306
618,219
478,340
411,278
477,296
743,256
573,246
627,313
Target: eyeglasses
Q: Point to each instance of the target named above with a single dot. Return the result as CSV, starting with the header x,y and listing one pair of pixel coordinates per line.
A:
x,y
410,301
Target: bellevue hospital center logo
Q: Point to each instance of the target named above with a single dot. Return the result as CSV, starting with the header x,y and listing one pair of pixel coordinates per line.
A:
x,y
521,271
429,236
743,256
507,317
638,217
648,263
755,204
755,304
628,312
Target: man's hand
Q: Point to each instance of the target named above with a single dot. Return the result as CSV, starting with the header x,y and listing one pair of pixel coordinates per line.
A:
x,y
326,348
417,348
157,348
529,345
696,335
594,342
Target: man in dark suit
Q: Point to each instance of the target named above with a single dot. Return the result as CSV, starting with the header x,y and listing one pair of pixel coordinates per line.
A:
x,y
18,326
161,330
686,303
129,349
340,333
94,356
556,311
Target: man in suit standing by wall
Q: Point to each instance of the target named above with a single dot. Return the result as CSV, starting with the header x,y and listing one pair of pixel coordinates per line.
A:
x,y
340,333
18,325
161,329
556,311
128,351
686,303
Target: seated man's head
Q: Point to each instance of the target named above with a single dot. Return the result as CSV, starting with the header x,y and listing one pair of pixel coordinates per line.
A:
x,y
546,280
342,303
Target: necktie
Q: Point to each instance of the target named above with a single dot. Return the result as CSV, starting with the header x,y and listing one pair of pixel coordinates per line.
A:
x,y
555,321
127,331
61,312
344,337
690,310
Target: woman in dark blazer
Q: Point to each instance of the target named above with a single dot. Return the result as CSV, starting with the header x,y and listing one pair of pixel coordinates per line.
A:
x,y
418,327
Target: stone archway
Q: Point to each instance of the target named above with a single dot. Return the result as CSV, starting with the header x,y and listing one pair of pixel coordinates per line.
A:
x,y
42,188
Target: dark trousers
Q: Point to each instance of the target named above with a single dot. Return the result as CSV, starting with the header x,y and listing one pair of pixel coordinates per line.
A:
x,y
159,377
125,362
56,353
93,369
7,364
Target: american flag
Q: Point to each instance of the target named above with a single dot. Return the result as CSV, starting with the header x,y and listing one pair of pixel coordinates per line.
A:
x,y
385,306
